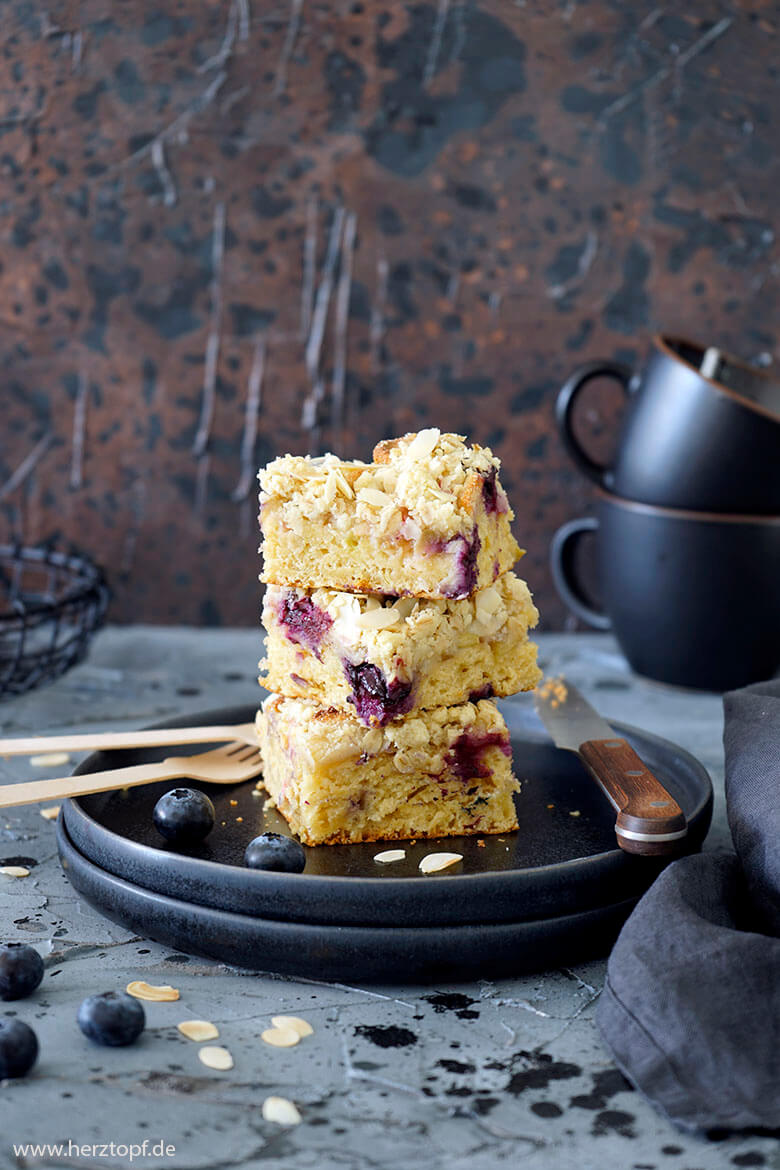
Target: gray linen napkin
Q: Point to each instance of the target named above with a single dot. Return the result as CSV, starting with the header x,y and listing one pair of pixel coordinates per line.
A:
x,y
691,1005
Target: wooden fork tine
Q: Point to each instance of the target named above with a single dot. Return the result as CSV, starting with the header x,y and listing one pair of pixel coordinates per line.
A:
x,y
172,768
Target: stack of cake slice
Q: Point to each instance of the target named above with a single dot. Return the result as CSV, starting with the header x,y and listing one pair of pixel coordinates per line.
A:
x,y
392,615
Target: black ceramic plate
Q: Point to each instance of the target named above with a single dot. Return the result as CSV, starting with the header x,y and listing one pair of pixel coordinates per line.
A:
x,y
557,864
405,954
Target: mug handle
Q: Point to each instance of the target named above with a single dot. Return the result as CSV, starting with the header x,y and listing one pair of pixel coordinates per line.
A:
x,y
563,412
564,574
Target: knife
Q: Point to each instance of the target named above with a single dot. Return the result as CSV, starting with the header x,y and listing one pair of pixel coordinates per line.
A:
x,y
649,820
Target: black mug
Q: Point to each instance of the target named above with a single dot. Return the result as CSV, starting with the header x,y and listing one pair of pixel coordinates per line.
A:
x,y
701,431
692,598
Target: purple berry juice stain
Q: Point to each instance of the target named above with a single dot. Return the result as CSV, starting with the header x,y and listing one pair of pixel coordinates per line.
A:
x,y
494,498
304,622
466,756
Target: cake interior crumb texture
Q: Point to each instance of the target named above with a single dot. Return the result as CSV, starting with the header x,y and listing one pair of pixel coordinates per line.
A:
x,y
443,773
382,658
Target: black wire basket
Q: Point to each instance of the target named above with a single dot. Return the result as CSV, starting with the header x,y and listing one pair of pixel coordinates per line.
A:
x,y
50,605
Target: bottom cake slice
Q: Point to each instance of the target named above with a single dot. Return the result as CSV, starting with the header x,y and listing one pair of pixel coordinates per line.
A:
x,y
442,772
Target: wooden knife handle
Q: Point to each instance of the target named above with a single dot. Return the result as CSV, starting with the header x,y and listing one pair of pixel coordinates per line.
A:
x,y
649,820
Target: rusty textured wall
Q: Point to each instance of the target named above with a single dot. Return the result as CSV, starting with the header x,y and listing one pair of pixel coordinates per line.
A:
x,y
235,228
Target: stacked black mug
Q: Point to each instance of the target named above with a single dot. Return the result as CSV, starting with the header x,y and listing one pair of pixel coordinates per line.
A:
x,y
687,518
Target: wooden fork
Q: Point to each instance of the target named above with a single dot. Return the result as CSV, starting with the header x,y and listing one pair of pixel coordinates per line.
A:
x,y
111,740
228,764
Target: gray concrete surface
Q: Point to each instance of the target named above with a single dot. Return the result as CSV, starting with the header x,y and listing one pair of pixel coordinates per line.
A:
x,y
464,1076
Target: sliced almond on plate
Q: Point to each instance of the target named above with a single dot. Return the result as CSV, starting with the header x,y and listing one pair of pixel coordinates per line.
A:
x,y
390,855
433,862
15,871
162,994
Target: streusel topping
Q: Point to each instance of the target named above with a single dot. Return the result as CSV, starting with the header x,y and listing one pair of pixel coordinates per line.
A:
x,y
419,743
422,483
414,629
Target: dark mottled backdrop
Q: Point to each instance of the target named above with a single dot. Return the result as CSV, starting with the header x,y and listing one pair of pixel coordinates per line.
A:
x,y
235,228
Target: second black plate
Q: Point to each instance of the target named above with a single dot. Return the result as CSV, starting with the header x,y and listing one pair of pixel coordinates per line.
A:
x,y
563,860
333,951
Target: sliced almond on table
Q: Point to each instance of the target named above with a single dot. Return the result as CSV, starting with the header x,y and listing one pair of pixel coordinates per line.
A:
x,y
295,1023
216,1057
15,871
162,994
281,1037
198,1030
280,1110
390,855
433,862
51,813
50,760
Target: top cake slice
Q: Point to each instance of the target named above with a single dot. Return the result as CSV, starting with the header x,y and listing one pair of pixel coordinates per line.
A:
x,y
428,518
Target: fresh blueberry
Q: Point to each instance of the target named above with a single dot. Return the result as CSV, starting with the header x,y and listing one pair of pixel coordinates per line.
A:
x,y
21,970
184,816
113,1018
18,1048
273,851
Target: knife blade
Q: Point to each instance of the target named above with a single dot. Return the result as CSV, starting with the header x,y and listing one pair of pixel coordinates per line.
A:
x,y
649,820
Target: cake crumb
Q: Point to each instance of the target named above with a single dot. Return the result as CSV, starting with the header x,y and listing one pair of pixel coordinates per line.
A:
x,y
51,813
234,803
575,812
554,689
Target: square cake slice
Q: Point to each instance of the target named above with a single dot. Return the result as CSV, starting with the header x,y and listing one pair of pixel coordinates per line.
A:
x,y
382,658
439,773
428,518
